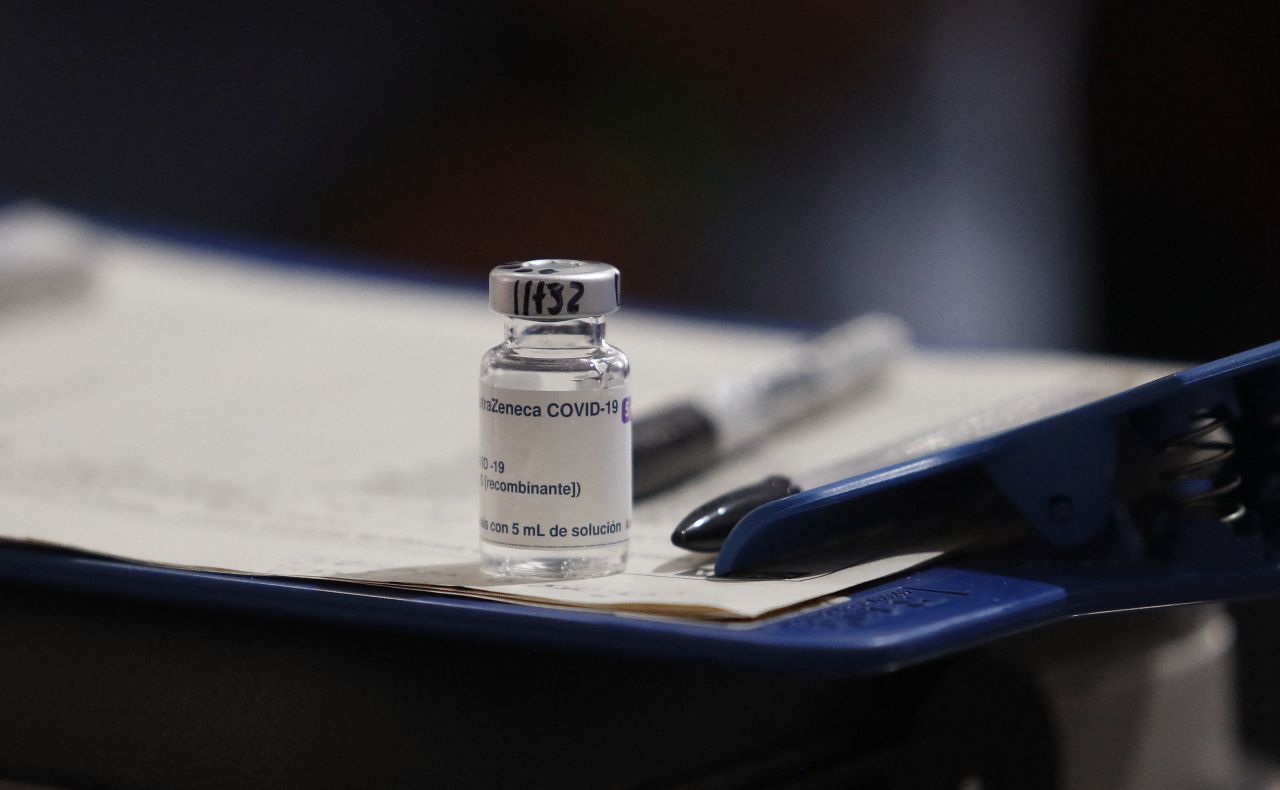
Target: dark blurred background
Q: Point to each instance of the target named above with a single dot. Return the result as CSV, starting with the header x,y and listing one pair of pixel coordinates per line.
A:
x,y
1093,175
1050,174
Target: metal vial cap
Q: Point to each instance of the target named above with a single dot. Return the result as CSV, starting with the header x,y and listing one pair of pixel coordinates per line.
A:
x,y
554,290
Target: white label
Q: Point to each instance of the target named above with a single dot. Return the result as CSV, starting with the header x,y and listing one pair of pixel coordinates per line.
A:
x,y
555,468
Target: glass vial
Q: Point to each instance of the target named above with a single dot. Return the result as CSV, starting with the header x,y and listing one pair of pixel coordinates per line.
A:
x,y
555,425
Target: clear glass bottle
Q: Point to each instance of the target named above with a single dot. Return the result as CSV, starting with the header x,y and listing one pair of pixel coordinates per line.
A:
x,y
555,437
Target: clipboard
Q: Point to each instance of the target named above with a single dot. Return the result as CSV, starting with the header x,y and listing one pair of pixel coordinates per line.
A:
x,y
911,618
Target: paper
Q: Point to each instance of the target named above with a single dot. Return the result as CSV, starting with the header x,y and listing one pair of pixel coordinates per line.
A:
x,y
197,411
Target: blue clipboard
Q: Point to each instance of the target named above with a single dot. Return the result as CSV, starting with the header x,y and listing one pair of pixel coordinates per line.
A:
x,y
1094,540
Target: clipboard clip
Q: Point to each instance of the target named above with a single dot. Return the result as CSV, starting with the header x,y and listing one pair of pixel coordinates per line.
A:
x,y
1181,471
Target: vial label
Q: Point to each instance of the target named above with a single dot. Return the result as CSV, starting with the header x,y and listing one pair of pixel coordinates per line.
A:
x,y
555,468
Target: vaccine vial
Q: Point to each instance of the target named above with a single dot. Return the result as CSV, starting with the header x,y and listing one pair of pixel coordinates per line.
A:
x,y
555,425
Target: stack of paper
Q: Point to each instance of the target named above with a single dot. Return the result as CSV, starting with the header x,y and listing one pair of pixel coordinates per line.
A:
x,y
202,410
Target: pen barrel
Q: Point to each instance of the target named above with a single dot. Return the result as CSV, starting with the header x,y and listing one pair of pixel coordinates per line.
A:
x,y
820,372
670,445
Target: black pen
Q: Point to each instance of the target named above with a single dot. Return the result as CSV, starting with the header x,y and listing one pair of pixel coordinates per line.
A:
x,y
707,526
677,442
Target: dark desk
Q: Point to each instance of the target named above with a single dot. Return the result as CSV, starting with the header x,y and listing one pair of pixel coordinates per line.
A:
x,y
109,691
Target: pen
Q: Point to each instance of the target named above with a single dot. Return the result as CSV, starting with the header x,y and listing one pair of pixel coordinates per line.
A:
x,y
707,526
676,442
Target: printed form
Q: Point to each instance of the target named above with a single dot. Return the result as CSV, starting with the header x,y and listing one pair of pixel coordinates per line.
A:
x,y
196,409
